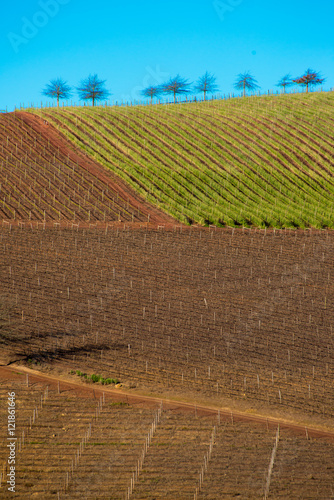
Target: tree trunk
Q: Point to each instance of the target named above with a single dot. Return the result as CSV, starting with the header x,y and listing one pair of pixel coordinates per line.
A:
x,y
204,95
244,90
174,97
93,98
57,101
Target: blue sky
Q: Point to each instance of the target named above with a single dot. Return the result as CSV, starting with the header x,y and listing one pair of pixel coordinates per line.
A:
x,y
134,44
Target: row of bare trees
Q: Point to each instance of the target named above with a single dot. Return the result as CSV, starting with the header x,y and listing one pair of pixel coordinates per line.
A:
x,y
92,88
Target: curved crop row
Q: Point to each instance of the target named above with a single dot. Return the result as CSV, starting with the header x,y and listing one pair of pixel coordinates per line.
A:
x,y
264,161
42,179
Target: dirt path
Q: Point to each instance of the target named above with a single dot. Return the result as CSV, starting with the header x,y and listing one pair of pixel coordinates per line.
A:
x,y
226,414
111,181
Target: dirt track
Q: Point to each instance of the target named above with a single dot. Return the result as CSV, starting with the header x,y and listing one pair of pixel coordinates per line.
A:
x,y
113,182
47,179
226,414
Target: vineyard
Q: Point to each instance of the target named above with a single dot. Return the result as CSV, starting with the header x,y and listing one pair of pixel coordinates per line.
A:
x,y
108,447
258,161
42,179
147,333
217,314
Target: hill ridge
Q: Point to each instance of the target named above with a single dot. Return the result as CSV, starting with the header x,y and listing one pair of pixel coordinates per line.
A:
x,y
261,161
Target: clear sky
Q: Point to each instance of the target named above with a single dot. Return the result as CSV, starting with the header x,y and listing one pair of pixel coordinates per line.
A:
x,y
133,44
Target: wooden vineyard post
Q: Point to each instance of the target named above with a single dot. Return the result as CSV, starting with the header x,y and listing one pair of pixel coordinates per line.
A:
x,y
75,461
140,462
271,465
205,464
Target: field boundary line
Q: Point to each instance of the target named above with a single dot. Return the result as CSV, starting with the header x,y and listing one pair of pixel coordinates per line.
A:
x,y
224,413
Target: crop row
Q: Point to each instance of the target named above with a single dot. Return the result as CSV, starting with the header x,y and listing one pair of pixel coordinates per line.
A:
x,y
41,180
71,450
244,314
241,162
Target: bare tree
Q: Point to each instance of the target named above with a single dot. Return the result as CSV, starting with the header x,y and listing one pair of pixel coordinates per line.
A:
x,y
151,92
245,81
284,82
309,79
206,84
176,86
93,88
57,89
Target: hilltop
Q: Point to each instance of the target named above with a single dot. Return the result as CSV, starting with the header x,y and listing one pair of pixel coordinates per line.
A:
x,y
257,161
263,161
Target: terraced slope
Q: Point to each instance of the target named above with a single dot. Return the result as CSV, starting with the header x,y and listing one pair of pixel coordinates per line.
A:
x,y
43,179
265,161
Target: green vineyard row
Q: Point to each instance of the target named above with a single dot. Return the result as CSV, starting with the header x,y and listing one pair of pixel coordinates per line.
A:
x,y
259,161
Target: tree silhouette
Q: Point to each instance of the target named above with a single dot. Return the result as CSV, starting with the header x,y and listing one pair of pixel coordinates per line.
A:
x,y
284,82
151,92
206,84
93,88
176,86
309,78
57,89
245,81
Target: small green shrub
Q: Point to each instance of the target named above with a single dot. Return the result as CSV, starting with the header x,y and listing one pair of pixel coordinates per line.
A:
x,y
95,378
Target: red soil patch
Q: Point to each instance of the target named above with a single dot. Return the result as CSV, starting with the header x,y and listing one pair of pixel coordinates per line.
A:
x,y
44,178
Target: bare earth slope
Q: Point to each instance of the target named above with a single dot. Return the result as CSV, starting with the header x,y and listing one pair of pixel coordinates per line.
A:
x,y
43,178
76,441
217,314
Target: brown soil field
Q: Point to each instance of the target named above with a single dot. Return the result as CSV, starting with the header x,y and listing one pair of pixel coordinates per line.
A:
x,y
44,178
90,442
214,314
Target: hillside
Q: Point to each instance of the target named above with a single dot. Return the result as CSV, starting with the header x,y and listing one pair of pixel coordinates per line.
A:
x,y
234,319
221,337
219,314
42,178
259,161
114,446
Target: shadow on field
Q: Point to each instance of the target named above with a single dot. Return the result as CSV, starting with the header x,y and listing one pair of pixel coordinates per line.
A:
x,y
49,355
